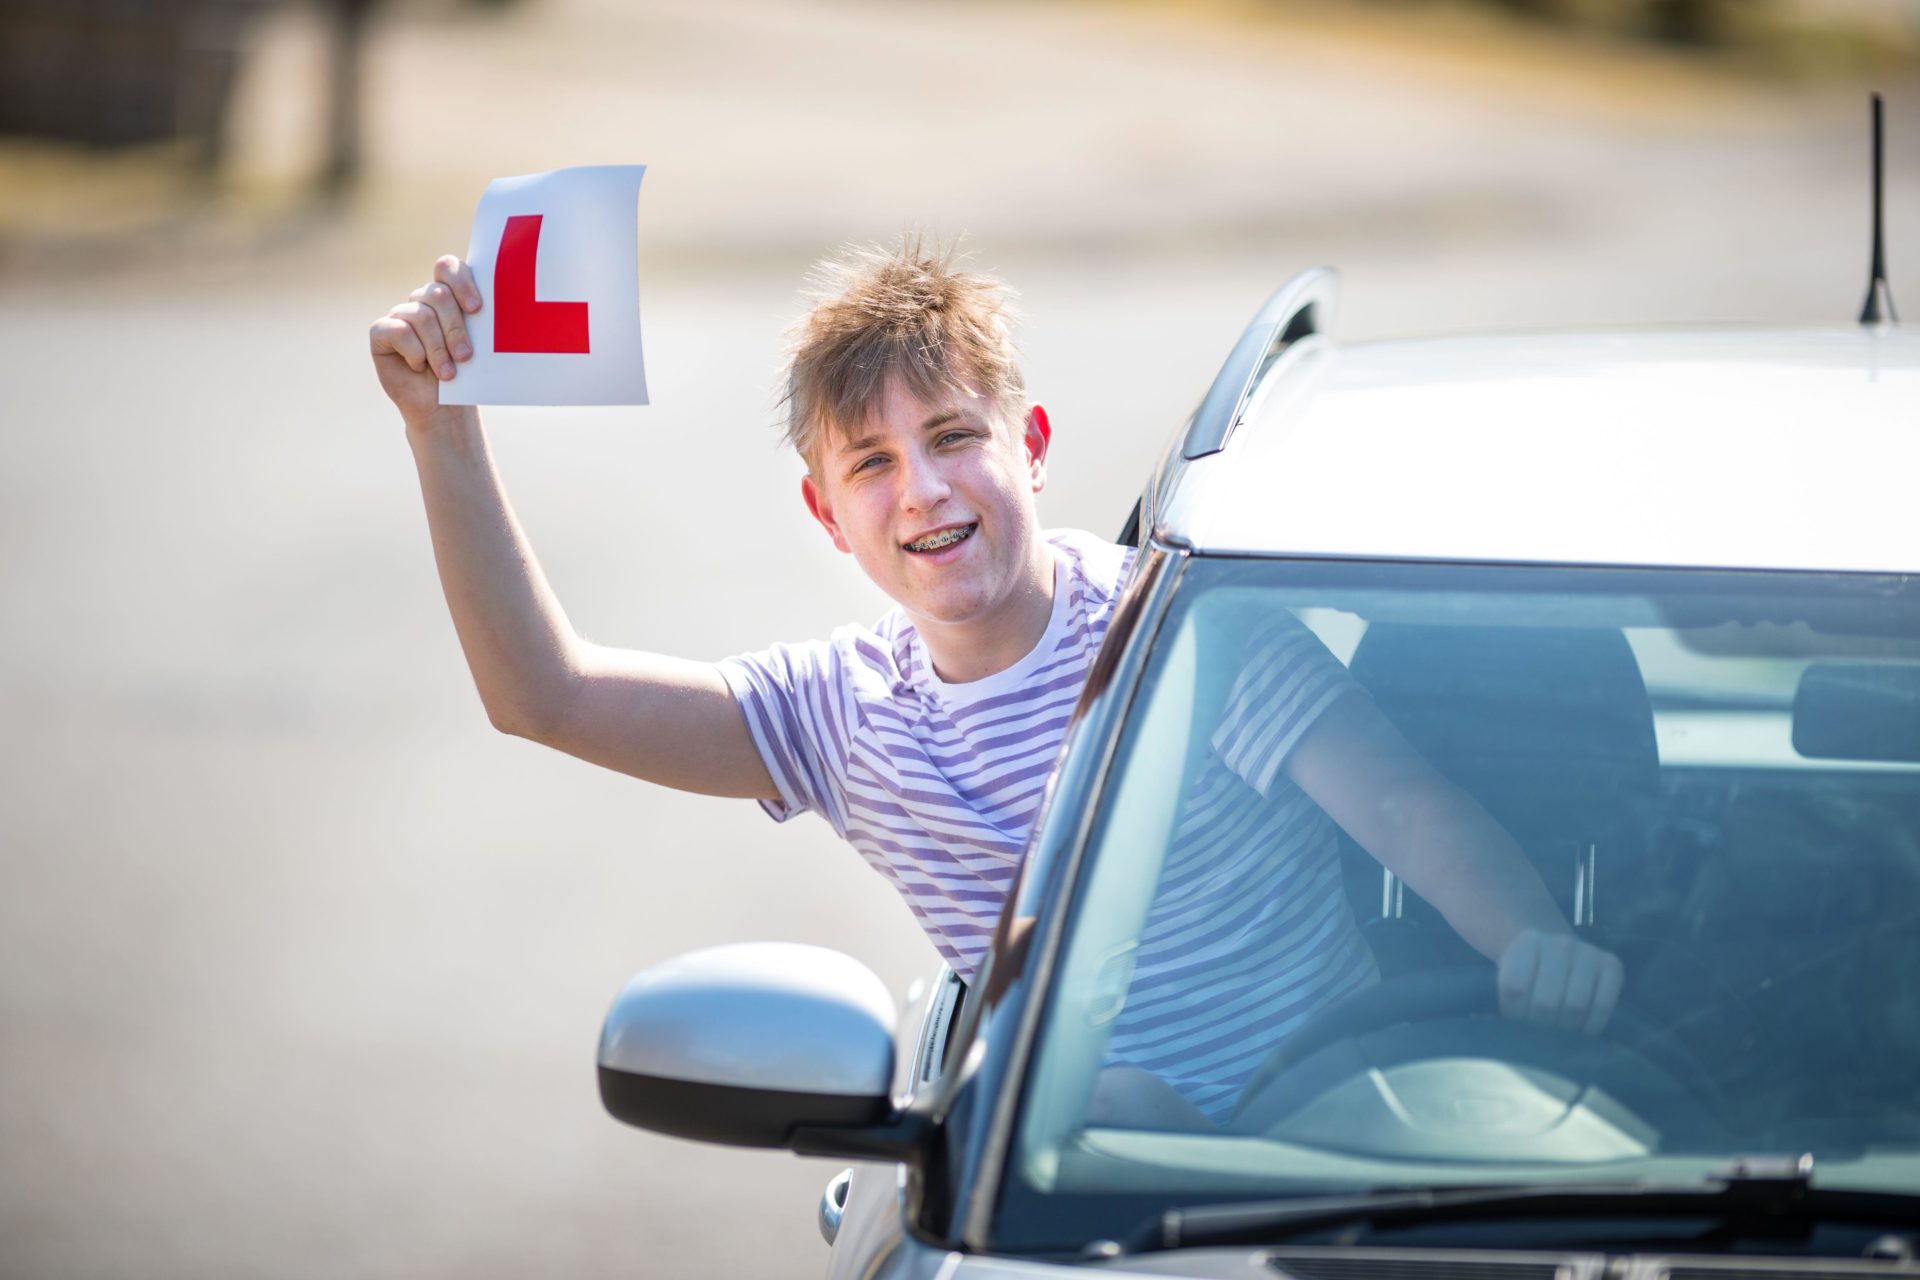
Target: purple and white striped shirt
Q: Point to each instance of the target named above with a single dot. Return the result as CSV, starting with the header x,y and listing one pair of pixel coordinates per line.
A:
x,y
1249,933
936,785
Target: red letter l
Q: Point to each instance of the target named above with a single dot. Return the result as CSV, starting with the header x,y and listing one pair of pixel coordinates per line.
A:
x,y
522,322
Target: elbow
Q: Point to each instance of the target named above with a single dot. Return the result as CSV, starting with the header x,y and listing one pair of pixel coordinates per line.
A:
x,y
531,702
510,722
519,718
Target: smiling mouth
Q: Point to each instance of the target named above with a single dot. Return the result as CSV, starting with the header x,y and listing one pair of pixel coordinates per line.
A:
x,y
944,538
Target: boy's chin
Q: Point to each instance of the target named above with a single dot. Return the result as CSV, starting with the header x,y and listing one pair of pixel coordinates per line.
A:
x,y
945,608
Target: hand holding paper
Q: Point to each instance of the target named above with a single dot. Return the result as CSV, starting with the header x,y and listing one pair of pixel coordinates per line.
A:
x,y
554,257
421,342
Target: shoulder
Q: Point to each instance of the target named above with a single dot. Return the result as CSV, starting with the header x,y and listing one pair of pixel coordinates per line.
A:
x,y
1096,564
845,655
879,660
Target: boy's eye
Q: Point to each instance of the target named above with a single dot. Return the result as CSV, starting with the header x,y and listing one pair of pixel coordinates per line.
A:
x,y
865,463
954,435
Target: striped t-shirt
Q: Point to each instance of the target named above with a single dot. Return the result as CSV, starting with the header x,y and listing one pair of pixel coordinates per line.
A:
x,y
936,785
1250,932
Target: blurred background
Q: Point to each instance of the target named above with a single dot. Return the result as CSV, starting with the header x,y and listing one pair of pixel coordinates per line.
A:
x,y
301,965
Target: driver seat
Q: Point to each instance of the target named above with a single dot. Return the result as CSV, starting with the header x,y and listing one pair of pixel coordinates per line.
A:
x,y
1550,729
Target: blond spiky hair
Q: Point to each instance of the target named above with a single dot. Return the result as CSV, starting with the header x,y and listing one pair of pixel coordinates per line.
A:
x,y
902,312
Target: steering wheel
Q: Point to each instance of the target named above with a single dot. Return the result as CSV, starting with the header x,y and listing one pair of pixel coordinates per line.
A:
x,y
1632,1058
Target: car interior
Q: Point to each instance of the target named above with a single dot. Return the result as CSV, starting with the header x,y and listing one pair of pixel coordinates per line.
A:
x,y
1766,916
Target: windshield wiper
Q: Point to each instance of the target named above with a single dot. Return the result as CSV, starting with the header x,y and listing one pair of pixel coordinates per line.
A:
x,y
1779,1192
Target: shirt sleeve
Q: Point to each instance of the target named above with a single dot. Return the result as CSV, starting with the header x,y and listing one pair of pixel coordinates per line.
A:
x,y
1286,683
791,698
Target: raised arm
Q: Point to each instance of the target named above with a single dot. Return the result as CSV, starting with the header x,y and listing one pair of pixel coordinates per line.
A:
x,y
667,720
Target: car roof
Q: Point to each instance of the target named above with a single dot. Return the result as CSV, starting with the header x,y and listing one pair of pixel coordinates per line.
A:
x,y
1747,449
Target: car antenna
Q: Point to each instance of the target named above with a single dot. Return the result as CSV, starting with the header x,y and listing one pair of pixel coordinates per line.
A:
x,y
1878,308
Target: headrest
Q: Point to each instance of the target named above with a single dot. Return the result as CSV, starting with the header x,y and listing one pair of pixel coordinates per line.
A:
x,y
1550,729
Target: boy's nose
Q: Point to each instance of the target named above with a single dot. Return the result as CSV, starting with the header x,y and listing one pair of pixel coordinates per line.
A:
x,y
922,485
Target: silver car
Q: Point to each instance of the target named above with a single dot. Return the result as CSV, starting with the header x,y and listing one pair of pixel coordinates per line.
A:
x,y
1653,600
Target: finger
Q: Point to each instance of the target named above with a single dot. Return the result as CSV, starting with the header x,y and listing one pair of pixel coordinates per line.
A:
x,y
392,336
458,276
1583,983
1550,982
426,325
1517,966
1606,996
453,324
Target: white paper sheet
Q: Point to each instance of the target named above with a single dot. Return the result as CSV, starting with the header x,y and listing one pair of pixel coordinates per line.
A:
x,y
577,286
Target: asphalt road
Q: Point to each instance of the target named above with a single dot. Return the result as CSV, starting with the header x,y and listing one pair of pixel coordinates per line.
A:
x,y
301,965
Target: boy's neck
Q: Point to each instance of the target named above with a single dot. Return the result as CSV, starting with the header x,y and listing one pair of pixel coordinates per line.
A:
x,y
963,652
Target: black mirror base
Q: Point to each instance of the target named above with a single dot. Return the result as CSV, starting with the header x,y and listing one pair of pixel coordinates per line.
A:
x,y
736,1115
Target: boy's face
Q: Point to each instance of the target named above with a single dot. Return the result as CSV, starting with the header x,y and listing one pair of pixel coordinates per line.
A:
x,y
935,500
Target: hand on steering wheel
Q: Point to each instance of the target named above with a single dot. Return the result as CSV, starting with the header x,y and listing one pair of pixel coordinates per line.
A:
x,y
1558,980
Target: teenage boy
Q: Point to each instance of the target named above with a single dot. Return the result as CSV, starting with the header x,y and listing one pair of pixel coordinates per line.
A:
x,y
927,739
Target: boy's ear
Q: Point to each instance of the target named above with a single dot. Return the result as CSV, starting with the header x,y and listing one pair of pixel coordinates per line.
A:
x,y
1037,437
820,509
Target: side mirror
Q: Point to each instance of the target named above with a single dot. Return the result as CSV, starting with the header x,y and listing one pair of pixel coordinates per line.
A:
x,y
760,1044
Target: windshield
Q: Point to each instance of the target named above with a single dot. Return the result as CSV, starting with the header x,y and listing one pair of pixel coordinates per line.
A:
x,y
1711,781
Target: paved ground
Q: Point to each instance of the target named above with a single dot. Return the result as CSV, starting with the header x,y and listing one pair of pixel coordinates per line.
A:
x,y
300,965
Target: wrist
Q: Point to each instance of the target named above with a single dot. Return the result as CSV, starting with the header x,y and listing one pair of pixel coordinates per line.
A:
x,y
447,421
1556,928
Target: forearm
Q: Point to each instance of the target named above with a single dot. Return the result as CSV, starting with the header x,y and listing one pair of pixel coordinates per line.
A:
x,y
1421,827
518,642
1451,852
1439,840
